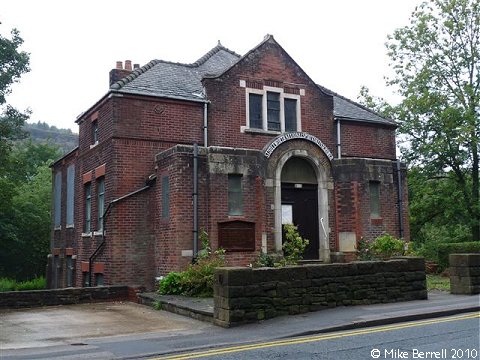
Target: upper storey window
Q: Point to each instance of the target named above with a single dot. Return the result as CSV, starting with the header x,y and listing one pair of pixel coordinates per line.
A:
x,y
272,110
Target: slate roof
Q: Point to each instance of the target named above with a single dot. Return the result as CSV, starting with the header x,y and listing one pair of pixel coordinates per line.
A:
x,y
176,80
184,81
347,109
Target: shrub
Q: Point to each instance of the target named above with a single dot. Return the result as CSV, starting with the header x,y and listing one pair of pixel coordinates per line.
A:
x,y
363,250
35,284
294,245
198,279
444,250
386,246
172,284
265,260
7,284
12,285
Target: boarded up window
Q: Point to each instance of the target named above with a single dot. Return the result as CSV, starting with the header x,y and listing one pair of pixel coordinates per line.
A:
x,y
290,115
255,111
165,197
57,199
236,235
70,193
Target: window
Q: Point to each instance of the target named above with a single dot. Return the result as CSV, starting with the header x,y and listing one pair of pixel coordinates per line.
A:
x,y
57,205
94,132
374,199
271,109
235,198
88,207
165,197
290,114
100,202
255,110
70,194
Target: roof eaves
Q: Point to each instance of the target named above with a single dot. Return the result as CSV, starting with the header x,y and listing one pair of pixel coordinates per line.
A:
x,y
64,156
373,122
173,97
333,93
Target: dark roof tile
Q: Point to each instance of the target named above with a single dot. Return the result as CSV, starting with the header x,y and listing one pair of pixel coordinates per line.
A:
x,y
347,109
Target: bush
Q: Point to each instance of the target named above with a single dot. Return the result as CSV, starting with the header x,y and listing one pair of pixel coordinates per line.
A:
x,y
363,250
172,284
294,245
444,250
12,285
386,246
7,284
198,279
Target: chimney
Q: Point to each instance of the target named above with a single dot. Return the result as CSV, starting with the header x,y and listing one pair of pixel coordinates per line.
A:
x,y
136,66
120,72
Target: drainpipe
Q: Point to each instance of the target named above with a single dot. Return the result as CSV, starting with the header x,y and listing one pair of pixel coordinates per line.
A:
x,y
339,142
149,183
205,124
400,200
195,201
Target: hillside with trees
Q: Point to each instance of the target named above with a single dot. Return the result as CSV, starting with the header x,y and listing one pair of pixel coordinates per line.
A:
x,y
41,132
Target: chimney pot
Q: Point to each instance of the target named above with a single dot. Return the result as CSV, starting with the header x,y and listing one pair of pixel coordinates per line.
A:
x,y
136,66
128,65
119,65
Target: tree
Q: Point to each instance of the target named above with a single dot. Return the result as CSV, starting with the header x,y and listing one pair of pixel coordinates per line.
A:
x,y
436,63
13,63
25,201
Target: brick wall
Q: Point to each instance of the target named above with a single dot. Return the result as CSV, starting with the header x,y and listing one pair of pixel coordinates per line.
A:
x,y
367,140
269,65
243,295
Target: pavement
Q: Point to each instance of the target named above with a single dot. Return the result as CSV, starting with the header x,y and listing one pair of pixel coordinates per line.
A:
x,y
126,330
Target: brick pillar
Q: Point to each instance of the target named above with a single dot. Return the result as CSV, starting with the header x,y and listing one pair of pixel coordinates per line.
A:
x,y
464,274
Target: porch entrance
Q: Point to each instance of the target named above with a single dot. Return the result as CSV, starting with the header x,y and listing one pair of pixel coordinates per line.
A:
x,y
299,197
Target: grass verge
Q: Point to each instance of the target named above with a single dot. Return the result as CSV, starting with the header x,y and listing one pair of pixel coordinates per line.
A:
x,y
437,282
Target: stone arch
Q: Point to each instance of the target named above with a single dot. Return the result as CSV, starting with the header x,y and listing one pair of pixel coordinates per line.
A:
x,y
321,165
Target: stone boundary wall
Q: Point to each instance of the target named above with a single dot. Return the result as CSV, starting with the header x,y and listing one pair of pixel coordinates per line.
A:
x,y
464,273
34,298
244,295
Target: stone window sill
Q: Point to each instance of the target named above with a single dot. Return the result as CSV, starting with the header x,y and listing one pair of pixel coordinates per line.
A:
x,y
262,132
89,234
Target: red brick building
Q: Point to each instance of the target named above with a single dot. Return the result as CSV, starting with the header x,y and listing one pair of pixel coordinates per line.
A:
x,y
235,145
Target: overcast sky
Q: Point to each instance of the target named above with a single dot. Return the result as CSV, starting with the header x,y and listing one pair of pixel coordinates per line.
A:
x,y
74,44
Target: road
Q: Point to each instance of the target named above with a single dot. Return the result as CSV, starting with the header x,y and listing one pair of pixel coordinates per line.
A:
x,y
455,337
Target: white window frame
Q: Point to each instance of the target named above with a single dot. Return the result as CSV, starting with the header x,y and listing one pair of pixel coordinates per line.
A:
x,y
263,92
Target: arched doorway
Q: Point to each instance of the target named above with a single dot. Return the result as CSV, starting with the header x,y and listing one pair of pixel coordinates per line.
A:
x,y
299,202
